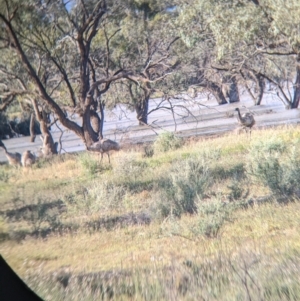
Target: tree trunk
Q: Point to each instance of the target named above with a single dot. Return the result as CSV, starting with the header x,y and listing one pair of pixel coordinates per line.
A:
x,y
217,93
101,107
296,98
31,128
95,122
89,134
142,110
260,84
261,89
233,93
49,147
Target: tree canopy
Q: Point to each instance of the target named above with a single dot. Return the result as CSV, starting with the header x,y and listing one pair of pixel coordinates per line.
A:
x,y
66,57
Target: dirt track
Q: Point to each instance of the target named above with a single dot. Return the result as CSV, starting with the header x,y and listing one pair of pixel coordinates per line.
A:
x,y
204,118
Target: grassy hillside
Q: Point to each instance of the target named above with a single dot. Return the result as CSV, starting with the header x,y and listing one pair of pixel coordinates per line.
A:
x,y
214,219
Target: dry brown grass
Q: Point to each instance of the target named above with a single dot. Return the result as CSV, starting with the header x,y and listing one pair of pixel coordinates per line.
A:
x,y
269,230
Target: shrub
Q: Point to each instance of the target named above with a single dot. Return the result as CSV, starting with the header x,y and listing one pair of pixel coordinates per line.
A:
x,y
89,163
275,167
272,146
148,151
209,154
185,184
4,176
237,189
96,197
167,141
106,195
211,217
129,169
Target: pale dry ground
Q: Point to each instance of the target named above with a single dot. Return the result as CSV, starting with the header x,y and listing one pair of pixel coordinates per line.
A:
x,y
207,119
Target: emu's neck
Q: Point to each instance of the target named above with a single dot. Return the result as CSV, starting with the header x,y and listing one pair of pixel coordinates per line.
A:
x,y
239,114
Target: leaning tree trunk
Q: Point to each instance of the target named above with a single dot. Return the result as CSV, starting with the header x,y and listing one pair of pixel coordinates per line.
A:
x,y
31,128
49,147
261,88
141,109
101,106
90,136
217,93
97,123
296,98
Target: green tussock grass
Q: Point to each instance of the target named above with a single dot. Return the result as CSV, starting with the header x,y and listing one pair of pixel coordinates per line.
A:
x,y
214,219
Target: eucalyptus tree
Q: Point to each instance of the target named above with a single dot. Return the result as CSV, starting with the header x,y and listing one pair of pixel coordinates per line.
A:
x,y
283,46
258,41
194,23
148,37
59,65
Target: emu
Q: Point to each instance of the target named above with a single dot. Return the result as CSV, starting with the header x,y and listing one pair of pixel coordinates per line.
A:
x,y
14,159
104,146
246,120
28,158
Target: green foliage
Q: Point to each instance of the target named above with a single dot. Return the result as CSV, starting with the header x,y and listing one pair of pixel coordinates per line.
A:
x,y
237,189
211,217
129,169
185,184
90,164
97,197
4,176
274,166
148,151
273,145
167,141
107,196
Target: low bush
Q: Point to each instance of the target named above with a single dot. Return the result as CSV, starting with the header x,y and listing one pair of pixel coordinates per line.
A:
x,y
186,183
211,217
4,176
90,164
237,189
129,169
97,197
275,167
167,141
148,151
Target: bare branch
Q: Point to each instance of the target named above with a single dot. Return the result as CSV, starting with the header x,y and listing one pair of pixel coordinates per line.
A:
x,y
6,102
279,53
172,42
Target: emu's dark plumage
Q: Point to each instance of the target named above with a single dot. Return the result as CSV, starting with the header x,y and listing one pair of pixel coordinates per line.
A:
x,y
104,146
